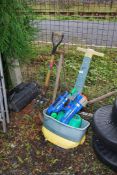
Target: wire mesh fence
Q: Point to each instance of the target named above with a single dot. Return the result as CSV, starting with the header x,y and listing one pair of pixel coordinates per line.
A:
x,y
87,23
83,22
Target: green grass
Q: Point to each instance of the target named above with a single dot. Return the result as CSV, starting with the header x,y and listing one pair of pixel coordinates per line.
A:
x,y
63,18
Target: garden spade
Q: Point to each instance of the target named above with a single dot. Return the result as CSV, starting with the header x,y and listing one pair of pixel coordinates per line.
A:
x,y
57,38
56,41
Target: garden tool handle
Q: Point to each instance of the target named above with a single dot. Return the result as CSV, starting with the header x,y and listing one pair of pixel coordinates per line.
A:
x,y
55,44
81,78
49,71
90,52
57,77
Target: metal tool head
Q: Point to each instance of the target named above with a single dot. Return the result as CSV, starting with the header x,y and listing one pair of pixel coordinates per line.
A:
x,y
57,38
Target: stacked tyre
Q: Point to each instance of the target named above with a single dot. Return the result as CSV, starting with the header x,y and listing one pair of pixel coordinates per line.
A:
x,y
105,134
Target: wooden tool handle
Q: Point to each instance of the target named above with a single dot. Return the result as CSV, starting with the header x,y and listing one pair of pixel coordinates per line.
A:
x,y
49,71
47,79
102,97
57,77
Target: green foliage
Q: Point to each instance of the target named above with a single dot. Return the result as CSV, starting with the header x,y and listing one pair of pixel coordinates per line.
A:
x,y
73,17
16,32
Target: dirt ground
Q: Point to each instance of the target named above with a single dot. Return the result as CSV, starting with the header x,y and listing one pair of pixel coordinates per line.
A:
x,y
24,151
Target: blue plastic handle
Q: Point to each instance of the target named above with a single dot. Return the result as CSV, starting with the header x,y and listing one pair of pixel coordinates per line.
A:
x,y
80,81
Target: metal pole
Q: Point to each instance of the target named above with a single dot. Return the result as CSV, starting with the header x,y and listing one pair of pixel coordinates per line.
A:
x,y
4,91
2,110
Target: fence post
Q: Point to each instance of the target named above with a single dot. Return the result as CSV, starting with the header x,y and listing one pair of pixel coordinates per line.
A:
x,y
111,4
15,73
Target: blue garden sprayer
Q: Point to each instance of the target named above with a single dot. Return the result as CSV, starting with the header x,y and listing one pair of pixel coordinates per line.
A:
x,y
73,108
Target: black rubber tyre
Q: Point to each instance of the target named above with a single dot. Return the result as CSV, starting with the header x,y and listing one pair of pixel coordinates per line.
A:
x,y
106,155
104,127
114,112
